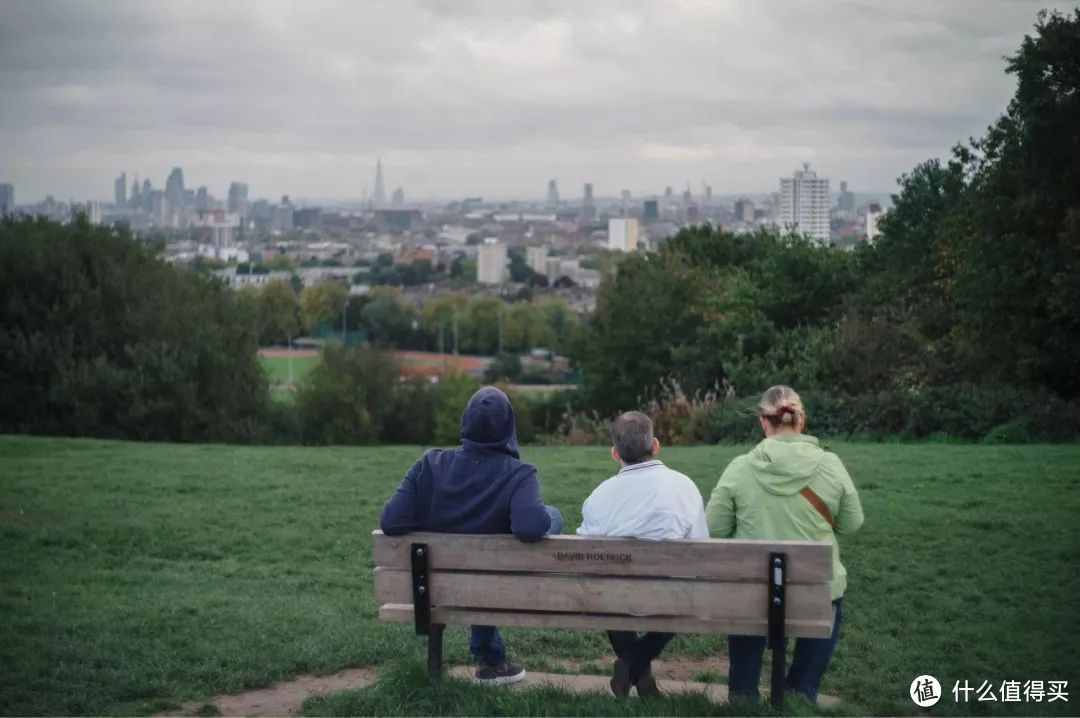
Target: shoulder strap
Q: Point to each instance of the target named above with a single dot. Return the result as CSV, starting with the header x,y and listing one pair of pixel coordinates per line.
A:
x,y
818,505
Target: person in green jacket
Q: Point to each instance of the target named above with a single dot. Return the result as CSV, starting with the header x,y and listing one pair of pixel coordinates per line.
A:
x,y
787,487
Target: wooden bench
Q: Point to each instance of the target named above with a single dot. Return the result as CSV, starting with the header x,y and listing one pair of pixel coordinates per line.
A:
x,y
758,588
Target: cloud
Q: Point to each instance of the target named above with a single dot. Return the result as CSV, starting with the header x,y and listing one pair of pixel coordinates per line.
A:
x,y
466,97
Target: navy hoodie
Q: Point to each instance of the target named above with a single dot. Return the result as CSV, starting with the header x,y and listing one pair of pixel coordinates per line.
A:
x,y
480,487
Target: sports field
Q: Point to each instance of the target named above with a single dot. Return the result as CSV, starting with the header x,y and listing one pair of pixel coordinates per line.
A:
x,y
135,577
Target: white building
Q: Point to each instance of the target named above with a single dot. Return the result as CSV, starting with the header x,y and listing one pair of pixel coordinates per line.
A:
x,y
804,204
623,234
536,258
491,262
873,213
93,211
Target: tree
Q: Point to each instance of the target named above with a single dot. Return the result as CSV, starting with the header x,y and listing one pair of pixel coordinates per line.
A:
x,y
437,318
526,326
348,397
278,312
504,366
479,327
102,337
322,303
388,320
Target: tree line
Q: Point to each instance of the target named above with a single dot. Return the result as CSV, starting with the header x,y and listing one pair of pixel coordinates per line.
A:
x,y
967,305
447,322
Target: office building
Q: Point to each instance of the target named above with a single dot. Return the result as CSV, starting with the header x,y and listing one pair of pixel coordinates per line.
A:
x,y
804,204
552,194
7,199
281,218
536,258
744,210
120,190
588,206
651,209
491,262
238,199
93,211
398,197
623,234
845,202
174,190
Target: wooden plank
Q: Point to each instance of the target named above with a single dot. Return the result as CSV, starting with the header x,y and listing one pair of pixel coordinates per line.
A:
x,y
703,600
808,561
403,613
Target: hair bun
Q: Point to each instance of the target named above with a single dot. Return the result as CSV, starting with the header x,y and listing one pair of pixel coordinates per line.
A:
x,y
787,417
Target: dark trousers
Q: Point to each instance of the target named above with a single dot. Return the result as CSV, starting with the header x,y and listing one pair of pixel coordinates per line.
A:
x,y
812,657
638,651
485,643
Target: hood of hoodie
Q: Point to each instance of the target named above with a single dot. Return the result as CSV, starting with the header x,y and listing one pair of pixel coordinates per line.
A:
x,y
785,464
487,424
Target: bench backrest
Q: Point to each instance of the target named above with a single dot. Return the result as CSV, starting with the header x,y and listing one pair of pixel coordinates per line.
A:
x,y
709,586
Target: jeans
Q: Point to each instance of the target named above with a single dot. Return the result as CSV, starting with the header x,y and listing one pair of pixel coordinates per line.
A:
x,y
638,651
485,643
812,657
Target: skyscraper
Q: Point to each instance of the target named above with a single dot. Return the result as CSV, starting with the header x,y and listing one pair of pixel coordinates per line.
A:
x,y
804,204
238,198
845,203
398,197
7,199
588,206
380,187
174,189
553,194
135,200
120,190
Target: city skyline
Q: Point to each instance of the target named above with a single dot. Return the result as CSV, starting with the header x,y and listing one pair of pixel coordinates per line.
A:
x,y
463,99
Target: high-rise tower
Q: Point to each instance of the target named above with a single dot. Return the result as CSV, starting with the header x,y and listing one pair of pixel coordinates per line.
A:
x,y
380,188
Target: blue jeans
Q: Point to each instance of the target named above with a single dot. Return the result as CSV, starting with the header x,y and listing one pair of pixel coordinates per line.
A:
x,y
485,643
812,657
638,651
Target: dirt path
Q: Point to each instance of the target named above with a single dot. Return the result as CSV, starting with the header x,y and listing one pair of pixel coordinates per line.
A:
x,y
284,699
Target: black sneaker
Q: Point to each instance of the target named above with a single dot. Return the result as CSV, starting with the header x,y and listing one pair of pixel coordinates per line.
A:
x,y
646,686
498,675
620,679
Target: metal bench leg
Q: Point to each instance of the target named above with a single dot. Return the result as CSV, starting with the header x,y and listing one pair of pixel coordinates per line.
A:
x,y
777,634
434,652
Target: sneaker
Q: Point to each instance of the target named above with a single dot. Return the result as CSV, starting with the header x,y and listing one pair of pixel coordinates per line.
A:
x,y
498,675
620,679
646,686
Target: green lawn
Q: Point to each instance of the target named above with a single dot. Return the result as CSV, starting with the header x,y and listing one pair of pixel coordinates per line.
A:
x,y
133,576
277,368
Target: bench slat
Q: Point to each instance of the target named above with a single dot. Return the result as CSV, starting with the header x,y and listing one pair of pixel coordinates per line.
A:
x,y
403,613
808,561
705,600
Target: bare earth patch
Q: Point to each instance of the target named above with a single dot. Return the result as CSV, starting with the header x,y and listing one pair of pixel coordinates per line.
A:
x,y
285,699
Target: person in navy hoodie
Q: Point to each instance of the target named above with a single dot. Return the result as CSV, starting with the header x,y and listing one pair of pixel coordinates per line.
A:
x,y
480,487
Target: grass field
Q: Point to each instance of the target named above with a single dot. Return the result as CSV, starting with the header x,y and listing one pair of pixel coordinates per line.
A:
x,y
136,576
277,367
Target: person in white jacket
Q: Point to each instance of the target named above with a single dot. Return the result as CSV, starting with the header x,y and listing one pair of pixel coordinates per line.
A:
x,y
644,500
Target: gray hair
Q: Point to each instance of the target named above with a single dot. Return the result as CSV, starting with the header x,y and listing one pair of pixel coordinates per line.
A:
x,y
632,437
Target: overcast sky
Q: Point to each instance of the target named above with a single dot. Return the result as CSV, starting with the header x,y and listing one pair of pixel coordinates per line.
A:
x,y
466,97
